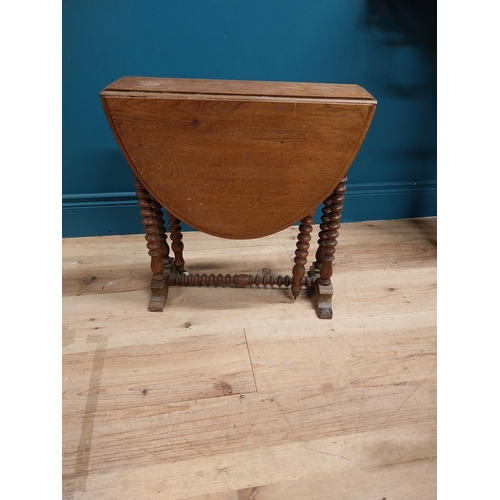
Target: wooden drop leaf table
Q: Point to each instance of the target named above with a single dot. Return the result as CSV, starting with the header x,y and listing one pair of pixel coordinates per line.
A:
x,y
238,159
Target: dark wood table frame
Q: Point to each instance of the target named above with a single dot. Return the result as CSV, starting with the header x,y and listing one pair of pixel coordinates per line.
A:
x,y
174,132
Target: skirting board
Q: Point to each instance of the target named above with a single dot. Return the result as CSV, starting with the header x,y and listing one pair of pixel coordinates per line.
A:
x,y
105,214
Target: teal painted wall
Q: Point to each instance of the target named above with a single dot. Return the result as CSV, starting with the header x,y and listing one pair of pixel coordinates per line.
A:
x,y
386,46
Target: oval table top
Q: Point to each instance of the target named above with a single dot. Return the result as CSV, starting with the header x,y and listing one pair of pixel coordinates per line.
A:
x,y
238,159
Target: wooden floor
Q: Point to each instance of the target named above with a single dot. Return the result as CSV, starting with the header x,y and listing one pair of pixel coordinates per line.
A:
x,y
243,394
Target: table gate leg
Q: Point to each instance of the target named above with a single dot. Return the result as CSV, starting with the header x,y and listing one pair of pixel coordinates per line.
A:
x,y
322,235
159,283
162,235
301,253
323,267
177,245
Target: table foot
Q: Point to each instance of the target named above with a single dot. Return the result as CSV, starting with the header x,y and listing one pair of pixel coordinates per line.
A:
x,y
159,293
324,295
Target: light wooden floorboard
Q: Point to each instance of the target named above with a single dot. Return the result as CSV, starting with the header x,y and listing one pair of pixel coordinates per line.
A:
x,y
244,394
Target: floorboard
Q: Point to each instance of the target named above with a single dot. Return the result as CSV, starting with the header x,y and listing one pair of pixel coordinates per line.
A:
x,y
244,394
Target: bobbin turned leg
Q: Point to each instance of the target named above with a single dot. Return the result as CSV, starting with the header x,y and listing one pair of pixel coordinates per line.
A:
x,y
322,235
177,245
162,235
303,239
323,267
159,283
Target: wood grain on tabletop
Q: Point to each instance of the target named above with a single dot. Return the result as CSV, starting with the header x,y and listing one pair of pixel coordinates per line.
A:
x,y
274,158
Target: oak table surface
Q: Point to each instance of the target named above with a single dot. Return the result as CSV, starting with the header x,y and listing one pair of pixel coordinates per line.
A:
x,y
237,160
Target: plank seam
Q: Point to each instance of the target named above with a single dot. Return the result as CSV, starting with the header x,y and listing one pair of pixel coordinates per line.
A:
x,y
250,358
